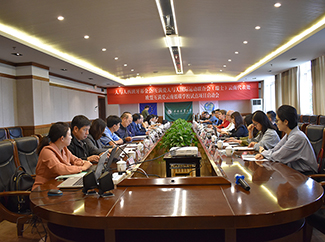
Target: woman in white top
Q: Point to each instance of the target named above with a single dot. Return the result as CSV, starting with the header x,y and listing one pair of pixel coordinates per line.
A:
x,y
267,138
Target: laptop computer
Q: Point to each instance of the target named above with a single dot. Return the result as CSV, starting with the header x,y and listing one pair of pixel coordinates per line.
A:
x,y
77,181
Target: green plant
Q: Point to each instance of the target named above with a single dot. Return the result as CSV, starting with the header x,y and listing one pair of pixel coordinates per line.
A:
x,y
179,134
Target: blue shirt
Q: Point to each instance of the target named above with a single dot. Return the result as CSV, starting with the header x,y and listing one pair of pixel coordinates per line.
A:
x,y
214,119
107,133
136,129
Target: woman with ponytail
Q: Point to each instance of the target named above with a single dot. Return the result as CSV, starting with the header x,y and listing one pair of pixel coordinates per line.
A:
x,y
54,157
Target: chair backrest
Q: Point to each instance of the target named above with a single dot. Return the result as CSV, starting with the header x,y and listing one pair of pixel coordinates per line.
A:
x,y
305,118
26,152
313,119
7,163
15,132
3,134
321,120
315,134
303,126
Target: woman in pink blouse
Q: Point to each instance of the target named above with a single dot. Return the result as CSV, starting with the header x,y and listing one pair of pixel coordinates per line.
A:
x,y
54,157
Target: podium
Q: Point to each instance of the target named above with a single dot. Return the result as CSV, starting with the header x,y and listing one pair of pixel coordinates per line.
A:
x,y
181,161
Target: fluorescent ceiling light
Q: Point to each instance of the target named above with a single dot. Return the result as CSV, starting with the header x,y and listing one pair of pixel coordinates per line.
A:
x,y
291,43
40,45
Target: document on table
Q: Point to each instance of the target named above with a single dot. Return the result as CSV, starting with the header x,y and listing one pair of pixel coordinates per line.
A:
x,y
251,158
242,148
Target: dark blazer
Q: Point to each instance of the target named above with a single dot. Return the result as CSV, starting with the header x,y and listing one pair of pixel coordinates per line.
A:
x,y
81,149
123,132
241,131
97,145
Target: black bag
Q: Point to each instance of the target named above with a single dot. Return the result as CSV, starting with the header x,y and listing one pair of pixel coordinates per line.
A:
x,y
20,181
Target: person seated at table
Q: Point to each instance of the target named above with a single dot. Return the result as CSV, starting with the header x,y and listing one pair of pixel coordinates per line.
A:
x,y
294,149
267,138
134,126
243,141
205,117
272,116
95,133
217,114
222,117
109,137
231,125
149,120
213,119
240,129
123,132
54,157
80,126
141,124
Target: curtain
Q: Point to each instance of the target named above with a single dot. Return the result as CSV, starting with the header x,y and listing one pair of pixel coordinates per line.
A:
x,y
278,91
287,88
318,80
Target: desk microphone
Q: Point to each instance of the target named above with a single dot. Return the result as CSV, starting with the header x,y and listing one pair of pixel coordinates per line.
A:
x,y
120,147
240,181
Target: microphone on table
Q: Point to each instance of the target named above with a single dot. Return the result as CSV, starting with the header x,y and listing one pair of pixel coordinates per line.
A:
x,y
240,181
120,147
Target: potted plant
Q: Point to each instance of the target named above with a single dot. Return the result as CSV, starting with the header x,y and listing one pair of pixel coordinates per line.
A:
x,y
179,134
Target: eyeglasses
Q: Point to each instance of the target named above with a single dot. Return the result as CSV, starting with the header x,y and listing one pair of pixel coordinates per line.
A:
x,y
277,120
255,124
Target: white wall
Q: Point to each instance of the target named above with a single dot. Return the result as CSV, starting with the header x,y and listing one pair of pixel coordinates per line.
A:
x,y
242,106
8,102
67,103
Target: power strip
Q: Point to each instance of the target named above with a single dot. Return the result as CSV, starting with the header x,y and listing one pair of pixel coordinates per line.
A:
x,y
118,178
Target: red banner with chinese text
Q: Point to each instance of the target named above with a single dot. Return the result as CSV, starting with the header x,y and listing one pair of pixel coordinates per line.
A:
x,y
181,93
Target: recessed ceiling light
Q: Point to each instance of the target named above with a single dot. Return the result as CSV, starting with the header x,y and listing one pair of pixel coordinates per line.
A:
x,y
125,64
104,49
116,58
220,70
224,65
277,5
86,36
132,69
258,27
229,60
138,74
60,18
64,69
245,42
236,52
188,64
17,54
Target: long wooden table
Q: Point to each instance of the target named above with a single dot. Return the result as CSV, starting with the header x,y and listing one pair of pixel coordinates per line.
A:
x,y
207,208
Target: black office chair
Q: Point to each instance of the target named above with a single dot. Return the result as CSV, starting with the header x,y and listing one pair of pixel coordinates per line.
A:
x,y
15,132
313,119
26,152
305,118
321,120
3,134
316,134
7,169
303,126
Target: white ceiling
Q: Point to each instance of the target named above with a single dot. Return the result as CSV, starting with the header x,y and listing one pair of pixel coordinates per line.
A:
x,y
210,31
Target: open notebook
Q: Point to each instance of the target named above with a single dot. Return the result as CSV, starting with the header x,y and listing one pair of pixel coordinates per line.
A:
x,y
77,181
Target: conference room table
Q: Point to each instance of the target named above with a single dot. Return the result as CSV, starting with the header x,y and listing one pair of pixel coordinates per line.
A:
x,y
207,208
